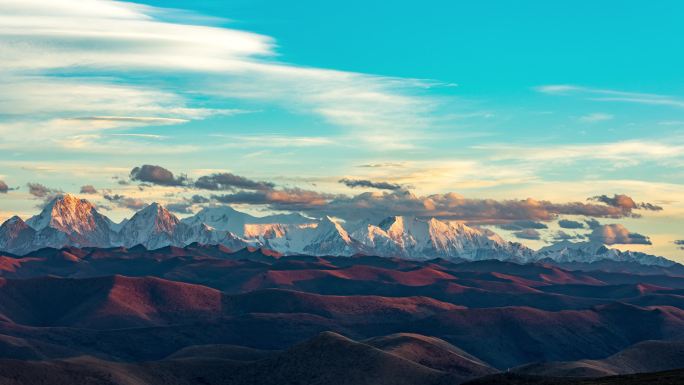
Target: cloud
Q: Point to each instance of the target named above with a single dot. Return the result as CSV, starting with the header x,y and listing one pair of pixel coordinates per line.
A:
x,y
531,234
513,215
557,89
180,207
522,225
627,152
143,120
455,206
275,141
617,234
402,202
73,61
650,206
3,187
569,224
88,189
625,202
608,95
285,199
592,223
198,199
40,191
618,200
122,201
156,175
228,181
680,244
45,108
563,236
596,117
382,165
369,183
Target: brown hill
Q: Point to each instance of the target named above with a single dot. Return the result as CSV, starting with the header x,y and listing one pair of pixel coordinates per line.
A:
x,y
509,337
647,356
433,353
105,302
326,359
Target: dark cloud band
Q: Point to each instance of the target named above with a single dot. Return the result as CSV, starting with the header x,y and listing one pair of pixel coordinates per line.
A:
x,y
370,184
156,175
625,202
228,181
569,224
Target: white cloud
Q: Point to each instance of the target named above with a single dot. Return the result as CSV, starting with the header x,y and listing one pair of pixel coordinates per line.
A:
x,y
427,177
557,89
628,151
596,117
608,95
263,141
96,45
50,97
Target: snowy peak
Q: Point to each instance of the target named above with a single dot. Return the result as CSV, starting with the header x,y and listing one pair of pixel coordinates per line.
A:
x,y
225,218
157,218
15,221
152,227
429,238
13,226
329,227
395,222
67,213
76,220
330,238
16,235
591,252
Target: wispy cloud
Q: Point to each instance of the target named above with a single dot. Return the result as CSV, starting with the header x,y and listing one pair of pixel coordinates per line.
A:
x,y
380,185
145,120
146,136
276,141
596,117
628,151
608,95
96,45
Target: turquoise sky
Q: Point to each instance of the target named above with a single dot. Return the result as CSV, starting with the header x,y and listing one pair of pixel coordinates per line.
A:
x,y
557,101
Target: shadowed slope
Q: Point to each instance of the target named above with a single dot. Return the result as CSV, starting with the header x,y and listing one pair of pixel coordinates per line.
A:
x,y
328,359
674,377
433,353
508,337
647,356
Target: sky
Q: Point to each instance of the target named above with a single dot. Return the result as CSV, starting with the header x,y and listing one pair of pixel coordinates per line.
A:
x,y
490,112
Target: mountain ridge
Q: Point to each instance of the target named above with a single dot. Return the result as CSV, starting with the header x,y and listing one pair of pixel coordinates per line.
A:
x,y
70,221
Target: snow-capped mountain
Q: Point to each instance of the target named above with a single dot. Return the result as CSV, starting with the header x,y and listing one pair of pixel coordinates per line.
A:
x,y
327,237
16,235
153,227
330,238
417,238
73,221
185,234
69,221
590,252
225,218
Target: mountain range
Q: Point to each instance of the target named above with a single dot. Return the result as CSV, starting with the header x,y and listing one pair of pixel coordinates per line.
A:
x,y
68,221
